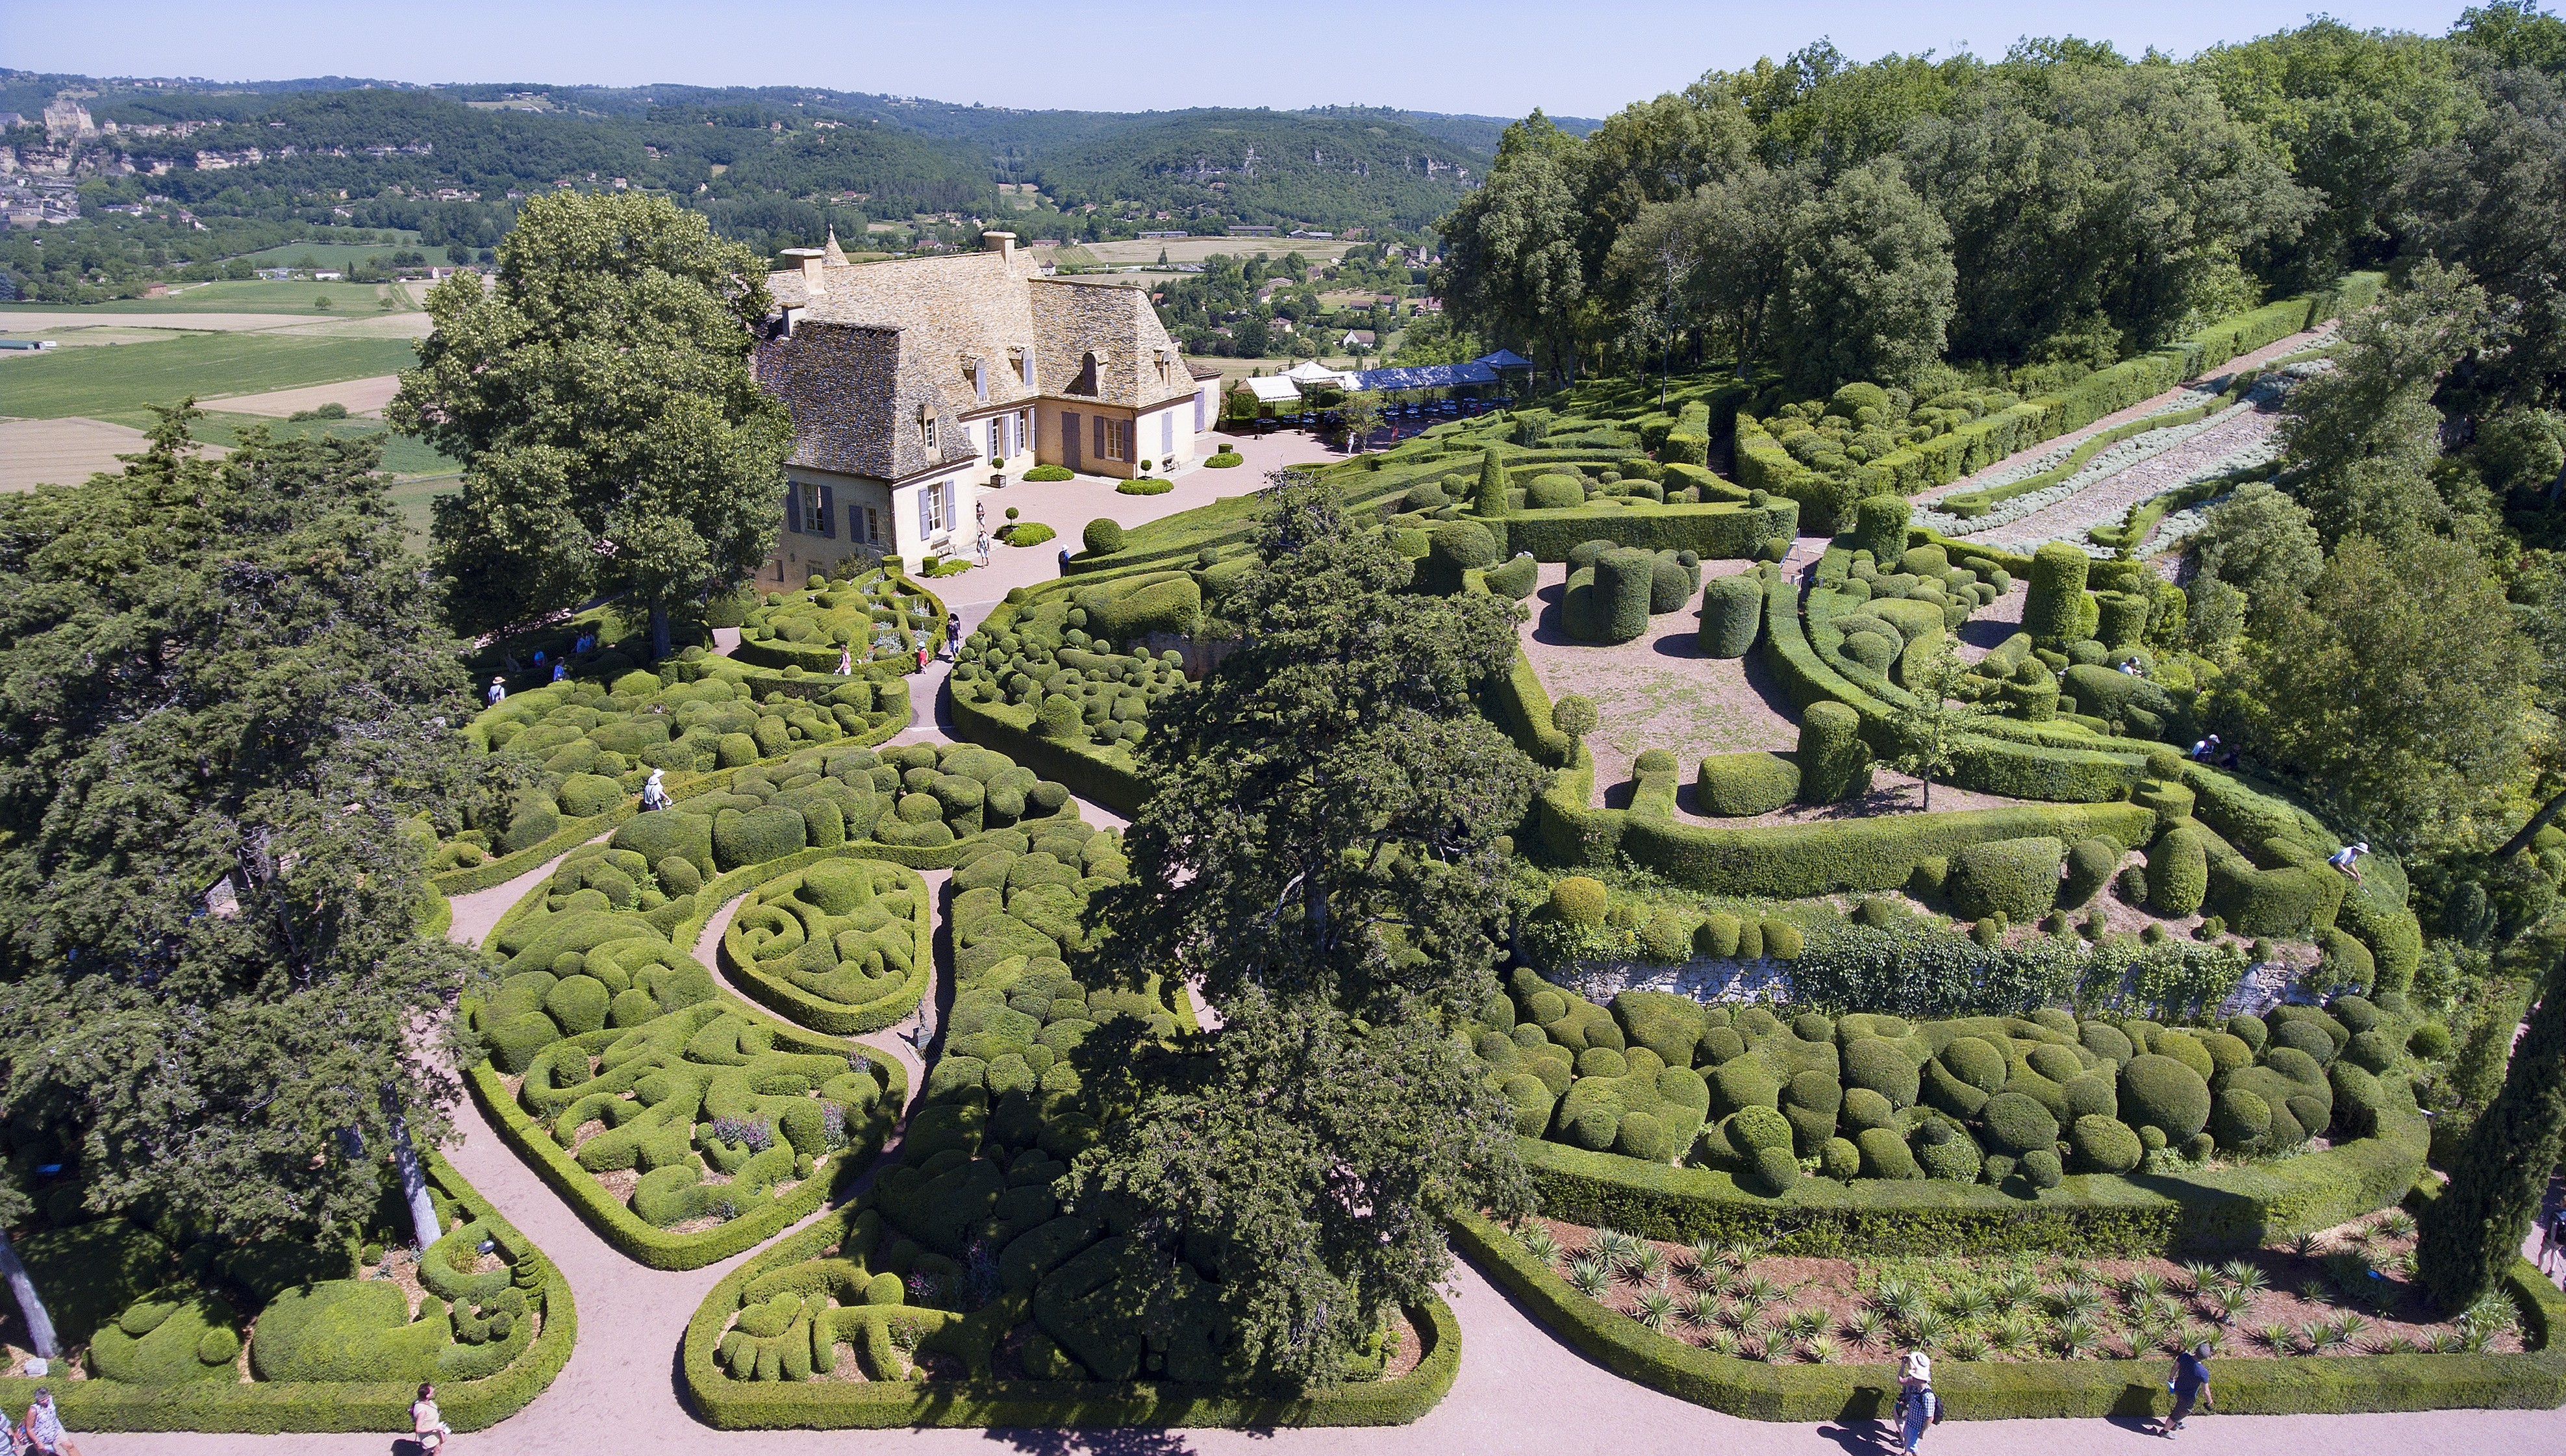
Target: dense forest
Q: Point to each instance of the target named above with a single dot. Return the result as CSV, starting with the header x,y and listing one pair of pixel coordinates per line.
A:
x,y
772,168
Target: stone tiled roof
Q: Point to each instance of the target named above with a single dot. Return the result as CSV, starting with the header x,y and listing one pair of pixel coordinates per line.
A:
x,y
877,342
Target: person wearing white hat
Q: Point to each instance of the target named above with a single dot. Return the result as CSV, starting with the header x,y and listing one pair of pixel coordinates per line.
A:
x,y
1917,1406
498,691
2343,859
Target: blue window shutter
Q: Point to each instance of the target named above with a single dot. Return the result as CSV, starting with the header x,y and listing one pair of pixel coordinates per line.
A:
x,y
980,381
925,510
792,507
829,510
1069,439
1199,409
1103,449
1167,430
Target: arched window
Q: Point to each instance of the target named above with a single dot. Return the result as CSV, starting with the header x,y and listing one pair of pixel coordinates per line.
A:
x,y
1086,383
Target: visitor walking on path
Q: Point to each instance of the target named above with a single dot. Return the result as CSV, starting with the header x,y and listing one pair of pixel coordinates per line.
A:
x,y
498,691
1917,1406
655,795
45,1432
426,1423
953,635
2190,1383
2552,1237
845,661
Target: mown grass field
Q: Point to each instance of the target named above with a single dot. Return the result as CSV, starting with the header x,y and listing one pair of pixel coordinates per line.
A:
x,y
257,296
102,382
338,255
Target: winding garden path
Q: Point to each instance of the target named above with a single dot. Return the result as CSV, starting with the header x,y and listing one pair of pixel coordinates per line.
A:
x,y
1519,1390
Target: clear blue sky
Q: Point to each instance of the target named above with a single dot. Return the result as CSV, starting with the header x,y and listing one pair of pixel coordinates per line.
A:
x,y
1491,56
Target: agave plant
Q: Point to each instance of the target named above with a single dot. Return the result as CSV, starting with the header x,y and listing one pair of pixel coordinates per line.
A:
x,y
2335,1336
2494,1312
2077,1337
2231,1302
2307,1246
2244,1275
1656,1309
1967,1345
1970,1301
1721,1342
2077,1300
1822,1350
1590,1276
1758,1290
1702,1309
2014,1291
1894,1298
2396,1344
1752,1344
2396,1224
1538,1241
1805,1323
2450,1342
1610,1245
2009,1335
2143,1286
1646,1263
1864,1329
2197,1276
1702,1256
1927,1328
2274,1337
1739,1251
2199,1335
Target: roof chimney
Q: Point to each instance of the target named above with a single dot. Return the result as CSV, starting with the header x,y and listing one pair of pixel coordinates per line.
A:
x,y
815,263
1002,244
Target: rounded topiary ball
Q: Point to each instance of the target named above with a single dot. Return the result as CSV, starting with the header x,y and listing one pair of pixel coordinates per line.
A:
x,y
2431,1041
2160,1091
1579,900
1878,1065
2106,1146
2040,1167
1103,536
1885,1154
1839,1159
2018,1123
2240,1119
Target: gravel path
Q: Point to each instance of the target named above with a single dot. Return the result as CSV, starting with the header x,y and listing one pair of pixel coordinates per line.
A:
x,y
2107,501
2143,407
1519,1390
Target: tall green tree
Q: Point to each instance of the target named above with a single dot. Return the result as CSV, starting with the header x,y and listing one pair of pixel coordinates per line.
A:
x,y
2263,544
1870,285
228,698
2399,691
2364,436
1930,726
1513,270
2469,1235
600,396
1320,861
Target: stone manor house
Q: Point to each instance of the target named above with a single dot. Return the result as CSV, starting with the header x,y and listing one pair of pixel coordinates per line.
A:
x,y
917,386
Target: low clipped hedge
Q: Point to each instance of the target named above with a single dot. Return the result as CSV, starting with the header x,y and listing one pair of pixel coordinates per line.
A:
x,y
793,1002
268,1408
1793,862
732,1404
2238,1208
1717,530
2288,1386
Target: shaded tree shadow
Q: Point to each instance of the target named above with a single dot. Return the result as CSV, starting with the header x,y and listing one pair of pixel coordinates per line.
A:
x,y
1101,1442
1547,625
1988,632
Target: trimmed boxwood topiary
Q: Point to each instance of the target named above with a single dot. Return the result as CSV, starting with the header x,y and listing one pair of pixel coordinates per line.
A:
x,y
1579,900
2104,1145
1732,614
1878,1065
1102,537
2160,1091
2090,864
1879,527
2016,879
1885,1154
1834,761
1742,785
2019,1124
2178,871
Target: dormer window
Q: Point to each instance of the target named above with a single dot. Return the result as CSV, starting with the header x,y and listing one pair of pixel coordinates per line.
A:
x,y
1086,381
926,431
1025,366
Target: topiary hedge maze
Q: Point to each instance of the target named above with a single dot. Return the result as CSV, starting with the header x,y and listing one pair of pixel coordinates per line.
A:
x,y
1042,677
878,616
591,746
2011,1103
959,1270
276,1335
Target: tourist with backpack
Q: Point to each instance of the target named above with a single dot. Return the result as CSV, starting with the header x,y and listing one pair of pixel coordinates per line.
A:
x,y
1917,1406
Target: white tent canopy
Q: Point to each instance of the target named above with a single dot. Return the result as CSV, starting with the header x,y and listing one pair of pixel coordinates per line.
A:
x,y
1310,371
1274,392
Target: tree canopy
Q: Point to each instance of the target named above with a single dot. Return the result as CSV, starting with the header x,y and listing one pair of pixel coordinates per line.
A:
x,y
227,692
599,396
1321,858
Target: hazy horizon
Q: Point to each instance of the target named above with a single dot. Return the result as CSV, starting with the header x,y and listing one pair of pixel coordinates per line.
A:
x,y
1493,59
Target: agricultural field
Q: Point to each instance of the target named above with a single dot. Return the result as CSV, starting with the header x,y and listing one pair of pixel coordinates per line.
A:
x,y
102,381
253,295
